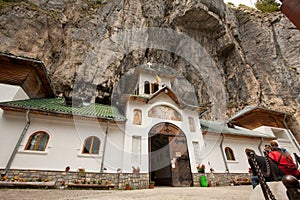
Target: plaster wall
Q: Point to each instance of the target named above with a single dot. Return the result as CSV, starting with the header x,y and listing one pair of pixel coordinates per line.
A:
x,y
65,144
152,79
148,122
284,137
238,145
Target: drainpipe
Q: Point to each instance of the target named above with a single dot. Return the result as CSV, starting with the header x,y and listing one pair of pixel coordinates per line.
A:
x,y
259,146
289,132
104,147
223,155
11,159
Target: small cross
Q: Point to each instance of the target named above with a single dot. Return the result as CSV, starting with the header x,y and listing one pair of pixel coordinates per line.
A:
x,y
149,64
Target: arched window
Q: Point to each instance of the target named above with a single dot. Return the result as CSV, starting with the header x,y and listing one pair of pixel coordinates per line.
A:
x,y
37,141
146,87
137,117
229,153
154,87
91,145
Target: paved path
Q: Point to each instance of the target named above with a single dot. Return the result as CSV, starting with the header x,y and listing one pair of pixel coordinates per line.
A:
x,y
159,193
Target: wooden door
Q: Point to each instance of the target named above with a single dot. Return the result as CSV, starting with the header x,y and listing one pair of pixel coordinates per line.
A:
x,y
180,163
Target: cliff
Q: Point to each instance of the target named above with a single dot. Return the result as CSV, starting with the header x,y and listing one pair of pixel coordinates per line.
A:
x,y
227,56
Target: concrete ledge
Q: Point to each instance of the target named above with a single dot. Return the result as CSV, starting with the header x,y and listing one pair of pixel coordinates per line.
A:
x,y
277,188
50,184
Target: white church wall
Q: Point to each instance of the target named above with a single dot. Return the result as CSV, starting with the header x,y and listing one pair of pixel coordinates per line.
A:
x,y
11,92
65,144
114,148
152,79
237,144
283,136
11,129
212,154
265,130
148,122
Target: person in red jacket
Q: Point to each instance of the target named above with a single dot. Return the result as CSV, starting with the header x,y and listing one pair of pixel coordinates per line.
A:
x,y
284,161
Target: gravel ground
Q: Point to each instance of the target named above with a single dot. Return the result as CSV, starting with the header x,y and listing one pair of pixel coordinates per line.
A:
x,y
159,193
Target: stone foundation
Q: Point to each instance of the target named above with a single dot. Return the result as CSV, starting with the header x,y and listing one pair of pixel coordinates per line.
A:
x,y
221,179
119,180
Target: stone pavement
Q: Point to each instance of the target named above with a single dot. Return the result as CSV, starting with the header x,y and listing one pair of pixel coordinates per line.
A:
x,y
158,193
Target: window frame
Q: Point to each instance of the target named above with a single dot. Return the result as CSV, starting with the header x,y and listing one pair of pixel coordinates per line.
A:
x,y
154,87
229,154
147,89
91,145
36,145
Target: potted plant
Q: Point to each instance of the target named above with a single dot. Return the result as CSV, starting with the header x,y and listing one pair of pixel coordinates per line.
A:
x,y
201,168
127,186
151,184
81,172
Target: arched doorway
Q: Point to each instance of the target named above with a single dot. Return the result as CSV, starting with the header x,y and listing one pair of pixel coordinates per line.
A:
x,y
169,162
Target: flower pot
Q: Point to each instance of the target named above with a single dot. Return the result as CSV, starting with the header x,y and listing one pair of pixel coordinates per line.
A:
x,y
127,187
151,186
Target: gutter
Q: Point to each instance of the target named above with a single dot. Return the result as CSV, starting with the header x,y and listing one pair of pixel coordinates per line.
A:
x,y
104,147
289,132
223,155
12,157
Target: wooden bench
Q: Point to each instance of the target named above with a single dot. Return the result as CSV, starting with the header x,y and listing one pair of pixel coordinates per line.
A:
x,y
242,181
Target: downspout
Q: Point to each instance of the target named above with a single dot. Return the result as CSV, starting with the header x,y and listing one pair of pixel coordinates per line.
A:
x,y
291,135
223,155
104,147
11,159
259,146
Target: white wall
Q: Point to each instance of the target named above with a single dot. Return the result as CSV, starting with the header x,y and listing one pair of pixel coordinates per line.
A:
x,y
238,146
10,92
284,137
10,131
152,79
148,123
64,146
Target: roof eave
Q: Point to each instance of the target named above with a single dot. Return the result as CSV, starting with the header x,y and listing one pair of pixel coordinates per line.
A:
x,y
59,114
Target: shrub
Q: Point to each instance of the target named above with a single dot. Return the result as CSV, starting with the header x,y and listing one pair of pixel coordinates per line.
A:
x,y
267,5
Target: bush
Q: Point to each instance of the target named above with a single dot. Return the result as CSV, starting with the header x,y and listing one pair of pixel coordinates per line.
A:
x,y
267,5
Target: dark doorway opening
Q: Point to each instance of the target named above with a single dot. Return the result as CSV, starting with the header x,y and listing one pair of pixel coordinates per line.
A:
x,y
169,162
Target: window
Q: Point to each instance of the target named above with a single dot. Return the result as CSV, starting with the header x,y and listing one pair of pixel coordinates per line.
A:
x,y
37,141
91,145
137,117
154,87
229,153
147,87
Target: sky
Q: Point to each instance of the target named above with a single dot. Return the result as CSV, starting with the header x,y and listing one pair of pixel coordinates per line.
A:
x,y
249,3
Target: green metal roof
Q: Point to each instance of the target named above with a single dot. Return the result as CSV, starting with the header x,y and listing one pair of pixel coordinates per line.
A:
x,y
221,127
57,105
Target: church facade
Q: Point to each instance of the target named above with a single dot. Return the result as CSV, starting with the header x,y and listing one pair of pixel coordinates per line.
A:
x,y
156,137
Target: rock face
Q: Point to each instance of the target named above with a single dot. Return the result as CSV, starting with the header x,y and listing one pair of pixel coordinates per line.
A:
x,y
231,57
